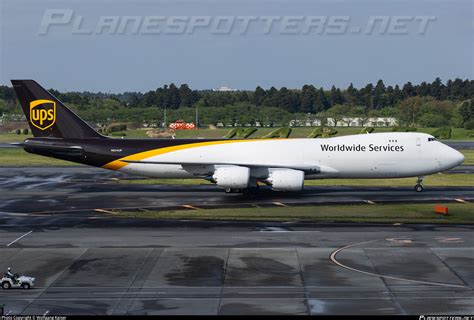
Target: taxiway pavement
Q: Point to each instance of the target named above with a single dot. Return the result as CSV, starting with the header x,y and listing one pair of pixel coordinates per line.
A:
x,y
279,269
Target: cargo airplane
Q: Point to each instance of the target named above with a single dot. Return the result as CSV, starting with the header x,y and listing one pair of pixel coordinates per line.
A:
x,y
235,165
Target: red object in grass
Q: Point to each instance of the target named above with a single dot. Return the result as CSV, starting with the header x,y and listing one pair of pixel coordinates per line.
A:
x,y
181,125
441,210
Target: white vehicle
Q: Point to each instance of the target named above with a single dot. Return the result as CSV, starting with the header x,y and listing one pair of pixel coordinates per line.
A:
x,y
22,282
235,165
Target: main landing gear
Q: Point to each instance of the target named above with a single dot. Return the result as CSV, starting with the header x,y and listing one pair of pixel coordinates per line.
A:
x,y
419,184
233,190
242,190
250,189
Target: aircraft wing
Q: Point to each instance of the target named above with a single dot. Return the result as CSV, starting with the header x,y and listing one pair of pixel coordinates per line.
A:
x,y
308,169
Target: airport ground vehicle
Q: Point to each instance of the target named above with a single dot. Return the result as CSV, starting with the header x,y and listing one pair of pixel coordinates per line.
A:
x,y
235,165
22,282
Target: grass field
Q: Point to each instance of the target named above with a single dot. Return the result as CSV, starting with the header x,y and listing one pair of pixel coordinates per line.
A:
x,y
386,213
457,133
469,157
10,137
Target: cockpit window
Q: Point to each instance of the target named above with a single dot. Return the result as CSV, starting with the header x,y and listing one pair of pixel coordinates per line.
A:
x,y
432,139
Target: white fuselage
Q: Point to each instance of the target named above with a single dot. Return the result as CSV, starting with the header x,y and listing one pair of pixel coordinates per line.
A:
x,y
380,155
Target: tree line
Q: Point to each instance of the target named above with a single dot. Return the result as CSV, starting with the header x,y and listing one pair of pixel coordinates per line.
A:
x,y
429,102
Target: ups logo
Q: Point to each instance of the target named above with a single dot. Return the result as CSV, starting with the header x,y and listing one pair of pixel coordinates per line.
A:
x,y
42,113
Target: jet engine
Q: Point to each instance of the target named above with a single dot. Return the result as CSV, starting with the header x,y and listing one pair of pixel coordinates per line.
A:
x,y
286,180
232,177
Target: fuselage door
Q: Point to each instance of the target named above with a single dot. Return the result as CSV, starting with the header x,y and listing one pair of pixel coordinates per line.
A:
x,y
418,141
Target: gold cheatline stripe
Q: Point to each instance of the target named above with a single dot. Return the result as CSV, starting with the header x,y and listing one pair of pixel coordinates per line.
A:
x,y
117,164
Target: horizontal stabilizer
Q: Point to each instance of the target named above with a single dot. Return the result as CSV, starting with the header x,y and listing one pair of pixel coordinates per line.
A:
x,y
53,148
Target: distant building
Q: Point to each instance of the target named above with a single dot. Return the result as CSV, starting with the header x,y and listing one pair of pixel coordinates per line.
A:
x,y
4,118
151,124
348,122
224,89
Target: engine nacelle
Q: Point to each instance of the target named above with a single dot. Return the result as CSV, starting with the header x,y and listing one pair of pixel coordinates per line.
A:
x,y
286,180
232,177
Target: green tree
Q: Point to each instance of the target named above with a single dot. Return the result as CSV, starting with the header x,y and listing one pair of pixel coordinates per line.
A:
x,y
3,107
408,90
410,110
352,95
437,89
466,110
173,99
271,98
366,96
379,97
258,96
186,96
433,120
336,96
339,112
321,103
308,99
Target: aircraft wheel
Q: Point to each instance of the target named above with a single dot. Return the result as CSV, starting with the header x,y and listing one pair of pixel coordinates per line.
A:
x,y
418,188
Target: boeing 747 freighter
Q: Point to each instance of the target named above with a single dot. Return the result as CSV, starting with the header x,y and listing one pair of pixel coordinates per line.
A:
x,y
235,165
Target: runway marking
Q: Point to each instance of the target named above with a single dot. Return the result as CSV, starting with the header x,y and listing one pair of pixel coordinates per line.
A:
x,y
444,239
292,231
280,204
15,214
369,202
105,211
19,238
461,200
400,240
47,311
334,260
130,293
188,206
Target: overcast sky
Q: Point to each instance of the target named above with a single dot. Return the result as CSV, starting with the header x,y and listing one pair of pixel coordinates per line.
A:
x,y
206,58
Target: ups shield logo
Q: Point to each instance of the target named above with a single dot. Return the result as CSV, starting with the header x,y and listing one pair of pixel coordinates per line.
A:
x,y
42,113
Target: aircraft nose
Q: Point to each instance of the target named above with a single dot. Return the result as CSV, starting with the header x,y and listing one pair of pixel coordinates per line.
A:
x,y
455,157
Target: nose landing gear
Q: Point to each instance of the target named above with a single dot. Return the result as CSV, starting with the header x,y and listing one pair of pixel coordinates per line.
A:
x,y
419,184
